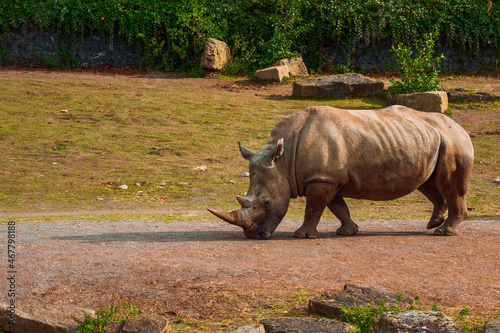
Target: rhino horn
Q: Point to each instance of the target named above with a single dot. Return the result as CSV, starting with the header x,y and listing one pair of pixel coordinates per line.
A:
x,y
245,152
244,201
235,217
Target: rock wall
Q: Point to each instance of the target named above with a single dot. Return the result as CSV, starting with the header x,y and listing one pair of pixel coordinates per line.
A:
x,y
33,46
379,58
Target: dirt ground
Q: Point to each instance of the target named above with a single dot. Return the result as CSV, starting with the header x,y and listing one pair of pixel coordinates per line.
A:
x,y
207,271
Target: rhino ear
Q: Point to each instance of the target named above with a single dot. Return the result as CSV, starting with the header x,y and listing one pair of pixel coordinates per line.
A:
x,y
245,152
273,153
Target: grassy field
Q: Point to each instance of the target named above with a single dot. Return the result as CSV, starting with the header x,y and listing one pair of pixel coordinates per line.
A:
x,y
69,140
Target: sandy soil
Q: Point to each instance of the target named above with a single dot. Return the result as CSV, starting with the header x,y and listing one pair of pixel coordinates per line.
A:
x,y
203,268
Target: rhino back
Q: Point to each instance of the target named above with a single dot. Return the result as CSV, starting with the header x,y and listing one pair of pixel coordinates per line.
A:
x,y
369,154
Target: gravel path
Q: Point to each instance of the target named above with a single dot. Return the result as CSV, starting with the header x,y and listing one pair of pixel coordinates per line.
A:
x,y
192,267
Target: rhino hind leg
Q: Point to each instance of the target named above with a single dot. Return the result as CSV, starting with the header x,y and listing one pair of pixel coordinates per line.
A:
x,y
430,190
339,208
318,196
452,180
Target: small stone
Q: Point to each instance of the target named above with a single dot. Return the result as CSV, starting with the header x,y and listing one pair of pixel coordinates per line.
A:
x,y
231,182
100,199
245,174
140,192
54,163
182,183
137,184
201,168
64,111
497,180
250,329
123,187
162,184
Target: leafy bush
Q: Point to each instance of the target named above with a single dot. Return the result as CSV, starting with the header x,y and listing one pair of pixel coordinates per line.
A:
x,y
170,34
419,73
106,316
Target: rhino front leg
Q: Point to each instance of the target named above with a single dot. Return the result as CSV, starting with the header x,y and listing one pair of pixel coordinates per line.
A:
x,y
339,208
318,196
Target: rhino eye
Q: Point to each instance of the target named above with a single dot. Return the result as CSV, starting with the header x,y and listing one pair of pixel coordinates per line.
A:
x,y
266,201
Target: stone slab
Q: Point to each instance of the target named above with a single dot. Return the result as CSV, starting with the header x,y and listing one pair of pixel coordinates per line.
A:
x,y
275,73
416,322
343,85
431,101
47,319
303,325
296,66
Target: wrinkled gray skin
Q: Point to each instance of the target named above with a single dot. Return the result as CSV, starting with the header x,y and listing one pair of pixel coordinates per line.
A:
x,y
327,154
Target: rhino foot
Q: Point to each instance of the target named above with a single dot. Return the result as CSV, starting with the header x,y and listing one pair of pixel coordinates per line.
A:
x,y
348,230
446,231
304,233
434,223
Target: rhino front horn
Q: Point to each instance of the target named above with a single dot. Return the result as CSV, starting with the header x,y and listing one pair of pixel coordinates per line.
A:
x,y
235,217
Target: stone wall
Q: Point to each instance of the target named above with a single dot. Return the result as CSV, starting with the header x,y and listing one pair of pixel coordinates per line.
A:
x,y
36,46
26,47
379,58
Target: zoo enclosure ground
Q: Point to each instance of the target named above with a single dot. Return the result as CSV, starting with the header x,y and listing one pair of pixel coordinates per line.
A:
x,y
68,140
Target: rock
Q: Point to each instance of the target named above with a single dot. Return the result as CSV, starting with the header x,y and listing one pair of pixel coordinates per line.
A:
x,y
245,174
296,66
328,304
431,101
303,325
250,329
471,95
492,326
275,73
497,180
123,187
216,55
140,324
50,319
182,183
343,85
415,321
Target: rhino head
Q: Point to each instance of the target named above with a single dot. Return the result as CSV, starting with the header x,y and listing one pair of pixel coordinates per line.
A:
x,y
267,199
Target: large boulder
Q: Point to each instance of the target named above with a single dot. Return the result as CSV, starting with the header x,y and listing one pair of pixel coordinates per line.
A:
x,y
416,321
275,73
216,55
343,85
431,101
296,66
47,319
303,325
329,303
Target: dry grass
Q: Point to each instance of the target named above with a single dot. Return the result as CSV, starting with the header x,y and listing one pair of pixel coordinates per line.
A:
x,y
68,140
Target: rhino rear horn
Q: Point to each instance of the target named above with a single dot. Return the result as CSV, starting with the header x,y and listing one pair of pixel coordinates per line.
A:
x,y
235,217
245,152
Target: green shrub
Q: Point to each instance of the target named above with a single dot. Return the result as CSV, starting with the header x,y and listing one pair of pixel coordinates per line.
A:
x,y
170,34
106,316
419,72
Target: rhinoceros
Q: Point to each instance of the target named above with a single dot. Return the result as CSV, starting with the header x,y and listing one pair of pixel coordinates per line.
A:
x,y
327,154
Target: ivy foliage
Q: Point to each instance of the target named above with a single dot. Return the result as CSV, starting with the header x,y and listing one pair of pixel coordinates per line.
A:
x,y
170,34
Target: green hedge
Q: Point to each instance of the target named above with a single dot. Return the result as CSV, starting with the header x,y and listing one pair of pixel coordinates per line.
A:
x,y
171,33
